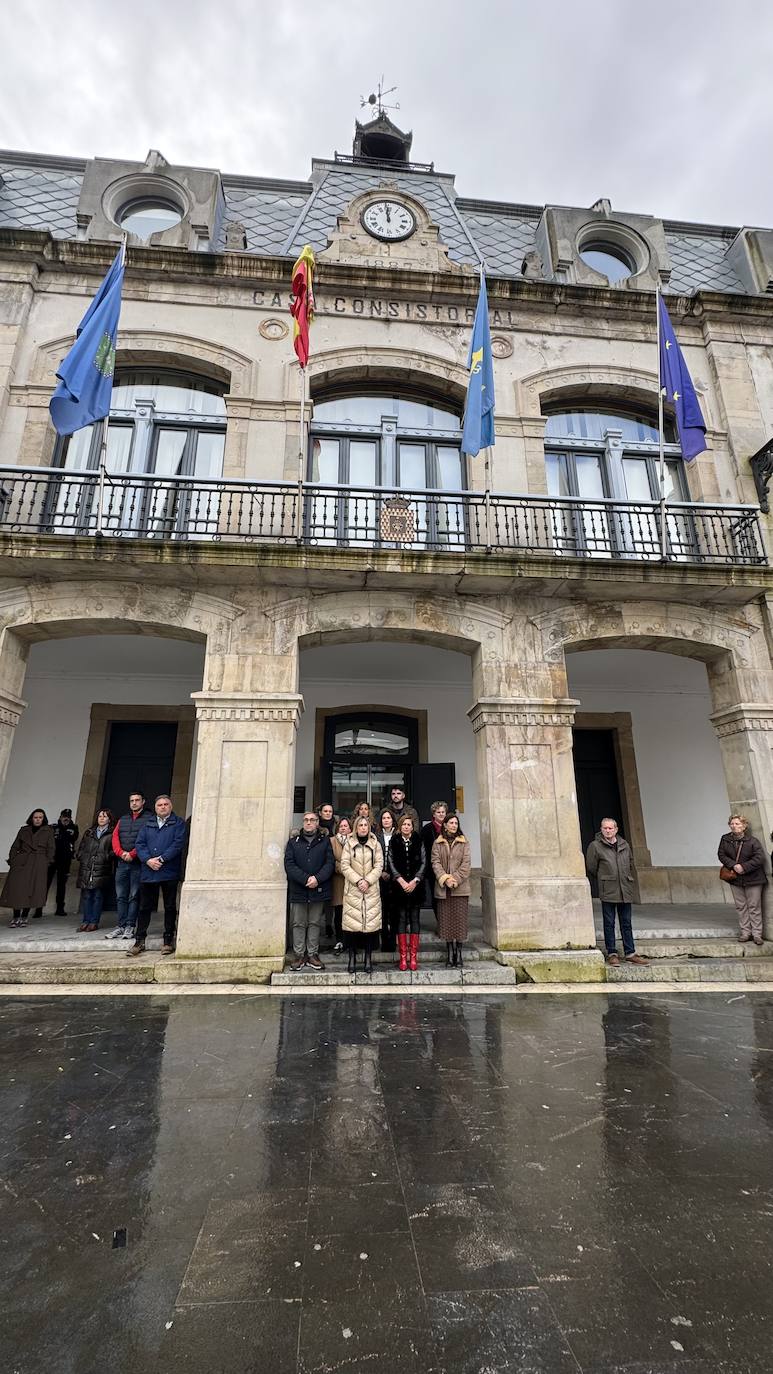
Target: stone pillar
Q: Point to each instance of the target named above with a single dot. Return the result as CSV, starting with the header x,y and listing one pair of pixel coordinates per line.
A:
x,y
233,900
745,734
535,892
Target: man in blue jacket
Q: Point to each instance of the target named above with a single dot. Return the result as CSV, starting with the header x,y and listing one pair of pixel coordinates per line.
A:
x,y
309,865
159,847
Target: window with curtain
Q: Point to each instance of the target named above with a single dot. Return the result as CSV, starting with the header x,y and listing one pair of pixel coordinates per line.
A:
x,y
603,455
397,444
163,424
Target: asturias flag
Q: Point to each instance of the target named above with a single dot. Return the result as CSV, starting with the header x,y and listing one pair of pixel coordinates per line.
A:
x,y
677,387
302,304
86,374
478,430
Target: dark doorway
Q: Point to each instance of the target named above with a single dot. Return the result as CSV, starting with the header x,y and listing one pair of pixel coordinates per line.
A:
x,y
140,754
366,754
598,787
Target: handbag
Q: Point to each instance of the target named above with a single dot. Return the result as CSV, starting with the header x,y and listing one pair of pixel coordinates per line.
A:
x,y
728,875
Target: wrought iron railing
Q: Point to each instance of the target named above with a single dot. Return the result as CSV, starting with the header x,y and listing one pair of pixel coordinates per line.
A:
x,y
60,502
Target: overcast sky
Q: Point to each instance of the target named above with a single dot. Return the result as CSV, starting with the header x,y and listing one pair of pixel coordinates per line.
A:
x,y
665,108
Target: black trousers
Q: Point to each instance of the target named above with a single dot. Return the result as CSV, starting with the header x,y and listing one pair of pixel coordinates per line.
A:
x,y
149,903
62,874
409,916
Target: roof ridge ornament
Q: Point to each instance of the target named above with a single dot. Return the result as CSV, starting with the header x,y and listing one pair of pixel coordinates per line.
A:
x,y
376,100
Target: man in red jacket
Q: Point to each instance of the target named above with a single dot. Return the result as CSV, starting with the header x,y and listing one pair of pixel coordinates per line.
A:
x,y
127,867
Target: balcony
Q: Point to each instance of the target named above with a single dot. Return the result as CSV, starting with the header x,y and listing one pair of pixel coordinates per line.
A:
x,y
53,501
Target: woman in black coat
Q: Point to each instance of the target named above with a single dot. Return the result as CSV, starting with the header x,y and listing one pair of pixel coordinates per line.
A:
x,y
744,856
407,861
26,884
95,867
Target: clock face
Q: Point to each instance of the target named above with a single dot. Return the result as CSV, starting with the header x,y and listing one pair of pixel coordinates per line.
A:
x,y
389,220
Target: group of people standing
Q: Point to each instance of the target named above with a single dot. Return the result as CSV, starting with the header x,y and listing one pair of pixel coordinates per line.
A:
x,y
141,852
374,870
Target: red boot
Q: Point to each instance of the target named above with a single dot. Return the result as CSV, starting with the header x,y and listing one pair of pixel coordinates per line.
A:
x,y
414,964
402,945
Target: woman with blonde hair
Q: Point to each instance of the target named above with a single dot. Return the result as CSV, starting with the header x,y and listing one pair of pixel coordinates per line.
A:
x,y
361,865
743,867
451,864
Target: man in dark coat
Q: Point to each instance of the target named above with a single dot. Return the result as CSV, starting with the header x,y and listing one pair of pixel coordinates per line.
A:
x,y
309,865
609,860
65,839
400,807
159,846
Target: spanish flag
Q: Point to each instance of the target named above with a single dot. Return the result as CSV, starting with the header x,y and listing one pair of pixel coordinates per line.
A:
x,y
302,304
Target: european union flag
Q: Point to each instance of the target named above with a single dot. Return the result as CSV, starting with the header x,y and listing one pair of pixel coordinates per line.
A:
x,y
677,387
479,411
86,374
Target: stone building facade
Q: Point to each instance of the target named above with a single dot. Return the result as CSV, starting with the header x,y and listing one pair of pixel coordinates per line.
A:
x,y
269,600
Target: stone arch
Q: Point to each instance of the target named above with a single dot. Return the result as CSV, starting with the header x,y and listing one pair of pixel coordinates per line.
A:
x,y
57,610
335,367
139,348
711,636
361,617
631,385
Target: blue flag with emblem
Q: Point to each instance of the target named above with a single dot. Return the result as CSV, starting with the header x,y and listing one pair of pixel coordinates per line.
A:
x,y
478,430
86,374
677,388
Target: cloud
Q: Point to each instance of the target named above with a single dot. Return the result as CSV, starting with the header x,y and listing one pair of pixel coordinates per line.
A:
x,y
665,110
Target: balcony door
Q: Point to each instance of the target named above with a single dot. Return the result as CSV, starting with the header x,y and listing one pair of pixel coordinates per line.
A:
x,y
396,459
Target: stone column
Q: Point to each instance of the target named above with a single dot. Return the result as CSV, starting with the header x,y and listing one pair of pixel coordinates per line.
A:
x,y
233,900
745,734
535,892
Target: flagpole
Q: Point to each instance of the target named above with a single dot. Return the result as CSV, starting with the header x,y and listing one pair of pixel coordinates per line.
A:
x,y
103,440
301,459
661,442
487,500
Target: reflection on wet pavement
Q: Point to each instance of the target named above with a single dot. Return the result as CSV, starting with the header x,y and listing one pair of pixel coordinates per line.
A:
x,y
448,1185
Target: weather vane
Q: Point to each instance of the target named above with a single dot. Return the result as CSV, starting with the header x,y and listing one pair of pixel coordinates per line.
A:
x,y
376,99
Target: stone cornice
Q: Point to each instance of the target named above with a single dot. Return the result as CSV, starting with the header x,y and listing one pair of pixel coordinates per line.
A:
x,y
736,720
274,707
165,264
523,711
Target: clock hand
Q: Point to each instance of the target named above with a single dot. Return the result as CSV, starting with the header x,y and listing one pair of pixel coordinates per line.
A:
x,y
388,213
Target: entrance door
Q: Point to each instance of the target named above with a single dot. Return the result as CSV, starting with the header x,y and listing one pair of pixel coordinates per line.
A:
x,y
598,788
366,755
140,755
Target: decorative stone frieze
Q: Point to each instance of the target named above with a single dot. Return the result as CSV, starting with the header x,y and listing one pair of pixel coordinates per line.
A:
x,y
736,720
279,707
11,708
548,711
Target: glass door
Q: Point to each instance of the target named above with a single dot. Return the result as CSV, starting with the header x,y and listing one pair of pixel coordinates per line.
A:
x,y
352,783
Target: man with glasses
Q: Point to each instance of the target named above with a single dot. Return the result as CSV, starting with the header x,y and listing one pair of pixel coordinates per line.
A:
x,y
309,865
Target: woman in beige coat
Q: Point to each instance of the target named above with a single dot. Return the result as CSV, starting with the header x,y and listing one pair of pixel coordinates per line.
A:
x,y
451,863
361,864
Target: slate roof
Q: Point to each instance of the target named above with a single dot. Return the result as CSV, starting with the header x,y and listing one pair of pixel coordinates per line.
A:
x,y
279,217
38,197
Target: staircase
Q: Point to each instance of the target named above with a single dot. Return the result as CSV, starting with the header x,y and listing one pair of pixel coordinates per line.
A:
x,y
480,967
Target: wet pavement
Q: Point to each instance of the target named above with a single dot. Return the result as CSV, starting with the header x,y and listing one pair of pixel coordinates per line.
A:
x,y
451,1185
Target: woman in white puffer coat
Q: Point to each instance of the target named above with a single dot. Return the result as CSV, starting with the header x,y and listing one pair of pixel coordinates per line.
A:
x,y
362,862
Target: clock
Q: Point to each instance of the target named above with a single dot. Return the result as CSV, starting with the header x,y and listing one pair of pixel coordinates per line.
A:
x,y
389,220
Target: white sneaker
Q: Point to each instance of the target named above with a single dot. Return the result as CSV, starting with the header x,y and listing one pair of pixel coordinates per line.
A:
x,y
115,934
128,933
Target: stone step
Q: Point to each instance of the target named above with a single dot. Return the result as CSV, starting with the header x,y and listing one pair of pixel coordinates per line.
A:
x,y
483,973
694,970
725,947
